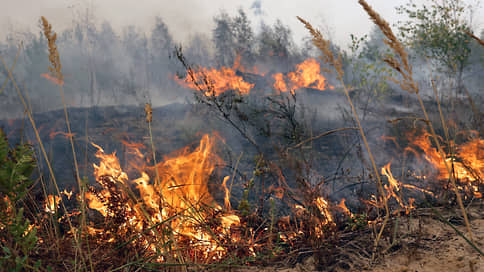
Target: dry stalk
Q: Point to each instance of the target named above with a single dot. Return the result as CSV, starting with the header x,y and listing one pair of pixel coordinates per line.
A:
x,y
149,119
328,57
481,42
56,71
408,83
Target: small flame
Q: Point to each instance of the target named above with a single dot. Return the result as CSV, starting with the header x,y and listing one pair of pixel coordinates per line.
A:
x,y
394,186
227,194
52,79
52,203
68,194
55,133
343,207
322,205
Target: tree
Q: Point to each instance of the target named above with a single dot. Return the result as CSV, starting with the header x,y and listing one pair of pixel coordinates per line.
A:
x,y
161,45
437,31
275,43
243,36
223,38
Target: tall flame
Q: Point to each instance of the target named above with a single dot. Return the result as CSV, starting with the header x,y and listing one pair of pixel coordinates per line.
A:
x,y
180,200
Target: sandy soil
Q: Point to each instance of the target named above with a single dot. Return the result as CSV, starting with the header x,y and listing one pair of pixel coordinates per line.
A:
x,y
439,248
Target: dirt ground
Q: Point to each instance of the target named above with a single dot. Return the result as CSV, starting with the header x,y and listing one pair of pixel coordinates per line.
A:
x,y
439,248
425,245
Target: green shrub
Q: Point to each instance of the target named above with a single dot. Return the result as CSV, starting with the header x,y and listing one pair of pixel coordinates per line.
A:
x,y
18,237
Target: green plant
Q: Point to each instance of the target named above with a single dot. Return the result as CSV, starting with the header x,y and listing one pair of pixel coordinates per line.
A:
x,y
438,31
357,221
18,237
368,69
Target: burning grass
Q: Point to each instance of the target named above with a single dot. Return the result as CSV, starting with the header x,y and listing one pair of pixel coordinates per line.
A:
x,y
165,215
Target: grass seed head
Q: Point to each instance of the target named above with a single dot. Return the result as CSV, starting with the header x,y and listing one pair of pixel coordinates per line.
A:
x,y
401,65
149,113
54,59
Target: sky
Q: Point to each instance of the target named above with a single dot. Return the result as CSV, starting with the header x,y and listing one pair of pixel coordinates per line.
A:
x,y
336,18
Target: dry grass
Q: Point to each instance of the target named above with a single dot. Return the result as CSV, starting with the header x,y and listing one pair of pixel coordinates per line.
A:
x,y
56,70
328,57
409,84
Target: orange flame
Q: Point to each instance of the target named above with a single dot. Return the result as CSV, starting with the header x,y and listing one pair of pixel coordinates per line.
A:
x,y
53,79
322,205
55,133
52,203
220,81
343,207
227,194
308,74
180,198
471,154
395,186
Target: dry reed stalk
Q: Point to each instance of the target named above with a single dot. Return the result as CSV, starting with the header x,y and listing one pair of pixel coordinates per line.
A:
x,y
409,84
56,70
328,57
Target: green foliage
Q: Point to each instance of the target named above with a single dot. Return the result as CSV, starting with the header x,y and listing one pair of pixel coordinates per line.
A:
x,y
17,236
370,73
15,169
437,31
357,221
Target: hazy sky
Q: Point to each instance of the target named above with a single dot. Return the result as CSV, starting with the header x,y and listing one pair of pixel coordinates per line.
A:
x,y
339,18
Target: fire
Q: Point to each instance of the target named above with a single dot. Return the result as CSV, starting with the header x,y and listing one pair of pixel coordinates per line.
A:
x,y
394,187
55,133
53,79
180,201
344,209
322,205
52,203
307,74
221,80
467,163
227,193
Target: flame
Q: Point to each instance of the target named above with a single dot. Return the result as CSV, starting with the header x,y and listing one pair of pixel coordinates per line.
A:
x,y
52,79
307,74
180,200
470,167
55,133
52,203
394,186
220,80
227,193
343,207
280,83
322,205
68,194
